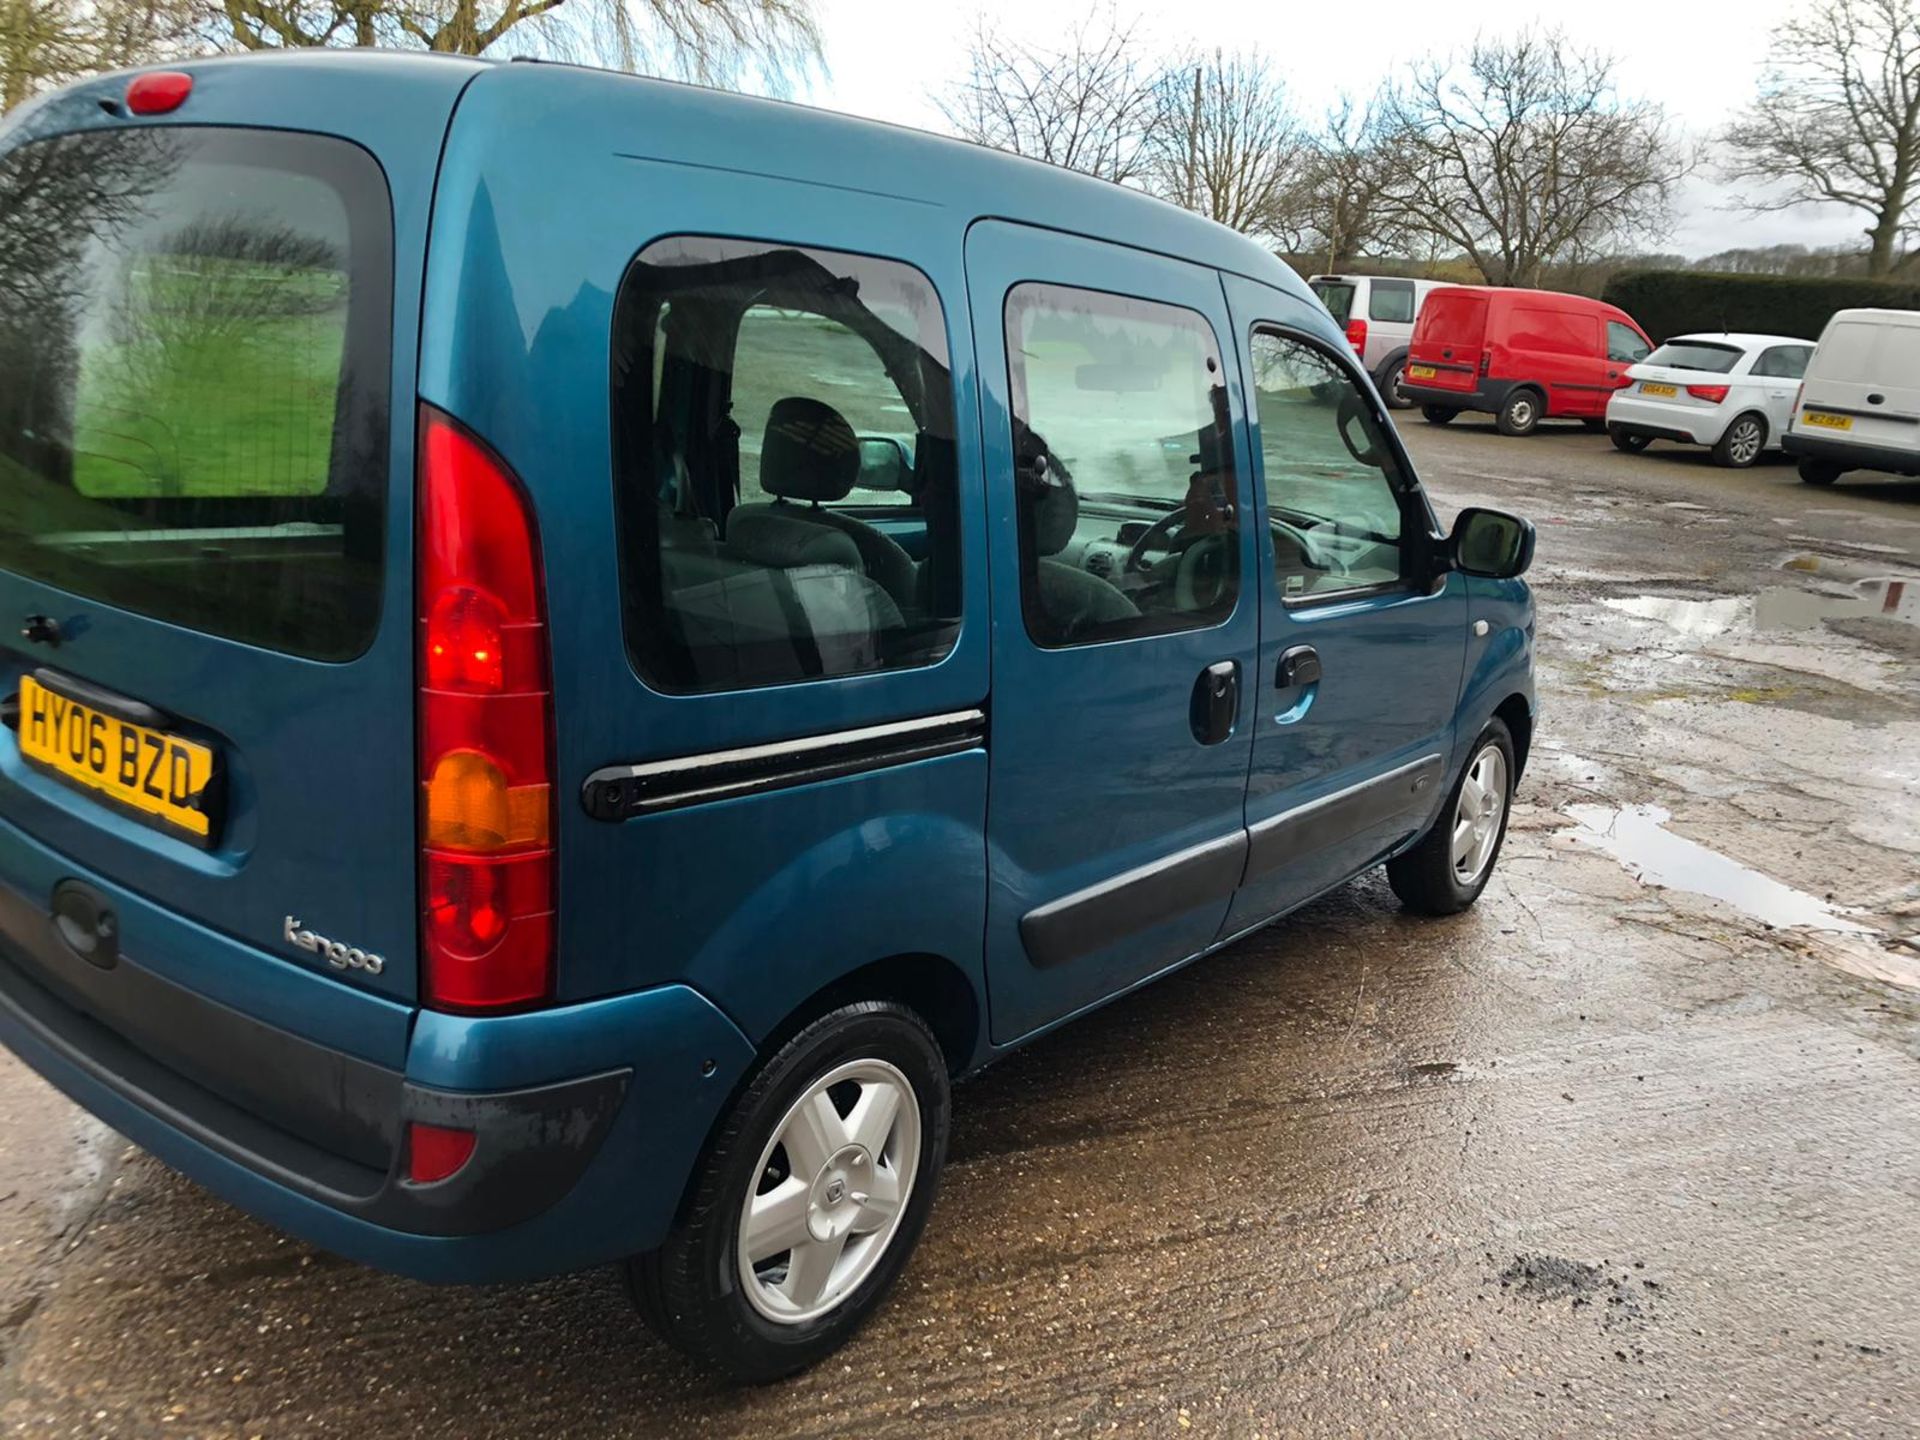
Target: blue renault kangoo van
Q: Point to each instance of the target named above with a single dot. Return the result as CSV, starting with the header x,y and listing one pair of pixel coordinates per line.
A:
x,y
577,649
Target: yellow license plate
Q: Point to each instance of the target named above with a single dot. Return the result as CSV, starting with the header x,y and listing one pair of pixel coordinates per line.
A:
x,y
1648,387
1421,372
1826,421
158,777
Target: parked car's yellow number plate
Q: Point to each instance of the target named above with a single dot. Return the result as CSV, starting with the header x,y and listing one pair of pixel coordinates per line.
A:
x,y
1421,372
1826,421
159,778
1650,387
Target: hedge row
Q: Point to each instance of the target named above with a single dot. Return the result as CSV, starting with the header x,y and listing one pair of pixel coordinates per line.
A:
x,y
1680,302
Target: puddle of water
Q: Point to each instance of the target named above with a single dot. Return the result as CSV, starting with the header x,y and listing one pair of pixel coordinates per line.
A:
x,y
1636,836
1777,608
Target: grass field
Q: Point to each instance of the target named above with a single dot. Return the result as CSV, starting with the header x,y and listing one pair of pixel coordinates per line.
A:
x,y
213,378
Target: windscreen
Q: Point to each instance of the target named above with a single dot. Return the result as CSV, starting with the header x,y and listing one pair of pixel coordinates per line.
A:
x,y
1696,355
194,335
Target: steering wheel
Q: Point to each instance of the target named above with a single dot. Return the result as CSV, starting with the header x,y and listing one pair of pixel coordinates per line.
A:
x,y
1204,568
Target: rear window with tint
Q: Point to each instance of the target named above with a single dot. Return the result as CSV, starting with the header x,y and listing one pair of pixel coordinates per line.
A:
x,y
194,337
1696,355
1337,297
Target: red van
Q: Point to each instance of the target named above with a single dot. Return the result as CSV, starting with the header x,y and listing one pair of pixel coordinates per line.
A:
x,y
1522,355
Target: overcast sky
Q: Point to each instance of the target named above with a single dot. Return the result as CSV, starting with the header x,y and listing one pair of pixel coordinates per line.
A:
x,y
887,58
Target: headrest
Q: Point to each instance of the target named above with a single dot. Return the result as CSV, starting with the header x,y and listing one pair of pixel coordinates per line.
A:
x,y
810,451
1045,490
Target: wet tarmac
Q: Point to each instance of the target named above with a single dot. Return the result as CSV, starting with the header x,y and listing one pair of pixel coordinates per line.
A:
x,y
1629,1149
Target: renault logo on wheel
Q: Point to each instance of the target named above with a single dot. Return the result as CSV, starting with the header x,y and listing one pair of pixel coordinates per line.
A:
x,y
836,1191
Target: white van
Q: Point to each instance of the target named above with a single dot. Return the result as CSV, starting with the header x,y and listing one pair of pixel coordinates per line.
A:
x,y
1377,312
1859,406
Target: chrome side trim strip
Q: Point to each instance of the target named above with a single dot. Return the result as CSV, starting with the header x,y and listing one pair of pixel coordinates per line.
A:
x,y
617,792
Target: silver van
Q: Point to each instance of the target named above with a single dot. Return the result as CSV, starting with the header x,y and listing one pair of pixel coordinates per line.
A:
x,y
1377,312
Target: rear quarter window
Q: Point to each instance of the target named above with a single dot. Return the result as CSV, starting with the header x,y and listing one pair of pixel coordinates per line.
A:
x,y
194,356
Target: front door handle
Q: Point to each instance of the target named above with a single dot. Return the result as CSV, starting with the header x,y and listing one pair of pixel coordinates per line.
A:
x,y
1299,667
1216,702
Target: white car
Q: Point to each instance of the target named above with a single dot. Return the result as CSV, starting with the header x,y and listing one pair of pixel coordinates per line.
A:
x,y
1860,406
1731,392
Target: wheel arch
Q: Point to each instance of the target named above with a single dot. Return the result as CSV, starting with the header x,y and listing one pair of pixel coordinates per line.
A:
x,y
932,986
1516,713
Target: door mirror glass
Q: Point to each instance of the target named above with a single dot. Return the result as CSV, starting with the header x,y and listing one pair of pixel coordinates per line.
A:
x,y
1491,543
883,465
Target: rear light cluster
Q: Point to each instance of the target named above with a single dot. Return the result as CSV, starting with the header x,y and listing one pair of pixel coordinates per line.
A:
x,y
1357,336
486,732
1713,394
1486,361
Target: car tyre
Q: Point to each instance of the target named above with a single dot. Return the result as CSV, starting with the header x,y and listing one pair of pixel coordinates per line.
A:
x,y
1438,414
1450,865
1741,443
1819,472
759,1320
1519,413
1624,439
1389,382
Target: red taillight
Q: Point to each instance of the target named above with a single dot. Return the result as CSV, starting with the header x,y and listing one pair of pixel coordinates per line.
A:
x,y
1713,394
486,732
1486,361
436,1153
1357,336
160,92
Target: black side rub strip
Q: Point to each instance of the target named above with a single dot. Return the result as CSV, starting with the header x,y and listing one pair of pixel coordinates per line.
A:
x,y
1088,920
1281,839
621,792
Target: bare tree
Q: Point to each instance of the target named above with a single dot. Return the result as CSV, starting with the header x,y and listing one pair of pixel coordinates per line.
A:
x,y
1526,155
707,40
1225,142
44,43
1089,105
1339,208
1838,120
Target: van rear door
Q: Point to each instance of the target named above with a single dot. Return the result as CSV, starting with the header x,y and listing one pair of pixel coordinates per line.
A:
x,y
207,335
1865,375
1447,339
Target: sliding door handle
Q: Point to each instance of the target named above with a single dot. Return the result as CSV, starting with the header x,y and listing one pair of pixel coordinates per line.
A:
x,y
1216,702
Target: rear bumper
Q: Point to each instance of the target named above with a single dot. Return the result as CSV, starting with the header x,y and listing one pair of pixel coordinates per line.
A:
x,y
1851,454
588,1118
1487,395
1657,421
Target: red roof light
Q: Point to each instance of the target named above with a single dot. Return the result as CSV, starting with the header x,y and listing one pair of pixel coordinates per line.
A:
x,y
160,92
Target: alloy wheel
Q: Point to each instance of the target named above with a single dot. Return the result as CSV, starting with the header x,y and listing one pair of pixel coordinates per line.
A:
x,y
1478,813
1743,444
833,1183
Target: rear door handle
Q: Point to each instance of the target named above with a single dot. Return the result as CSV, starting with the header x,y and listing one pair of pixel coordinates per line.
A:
x,y
1299,666
1216,702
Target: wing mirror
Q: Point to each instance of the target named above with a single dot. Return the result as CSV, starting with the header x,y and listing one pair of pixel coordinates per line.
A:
x,y
883,464
1491,543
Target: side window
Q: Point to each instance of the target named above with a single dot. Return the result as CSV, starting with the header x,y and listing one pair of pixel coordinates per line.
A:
x,y
1337,500
1624,345
1123,483
1392,301
782,353
759,392
1784,362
